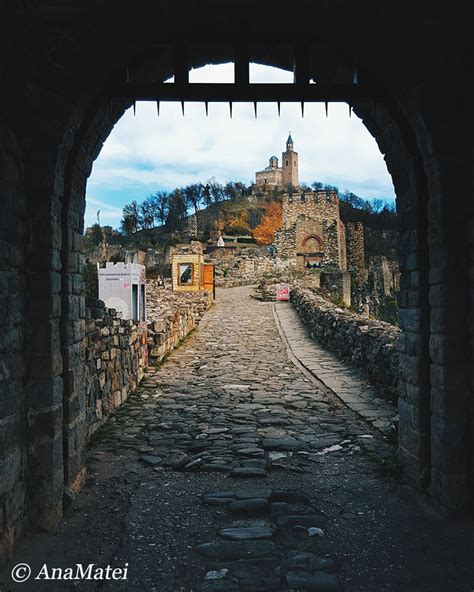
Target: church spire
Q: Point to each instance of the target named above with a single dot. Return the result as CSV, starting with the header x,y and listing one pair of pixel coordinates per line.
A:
x,y
289,143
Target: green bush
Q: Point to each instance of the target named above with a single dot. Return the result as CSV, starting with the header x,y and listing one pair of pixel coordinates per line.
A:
x,y
91,280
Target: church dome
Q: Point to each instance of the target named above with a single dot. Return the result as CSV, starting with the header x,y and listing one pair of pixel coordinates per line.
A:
x,y
273,162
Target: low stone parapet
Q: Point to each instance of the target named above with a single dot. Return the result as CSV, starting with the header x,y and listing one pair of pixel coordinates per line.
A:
x,y
115,361
368,344
117,351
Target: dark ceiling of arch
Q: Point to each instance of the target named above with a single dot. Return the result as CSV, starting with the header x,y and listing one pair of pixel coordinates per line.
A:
x,y
321,73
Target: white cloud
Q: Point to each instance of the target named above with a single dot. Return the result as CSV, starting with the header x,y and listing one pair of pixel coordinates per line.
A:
x,y
146,152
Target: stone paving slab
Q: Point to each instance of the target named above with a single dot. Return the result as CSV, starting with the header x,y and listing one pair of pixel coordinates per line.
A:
x,y
345,382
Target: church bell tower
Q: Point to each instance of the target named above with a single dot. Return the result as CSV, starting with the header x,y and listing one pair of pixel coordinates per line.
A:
x,y
289,164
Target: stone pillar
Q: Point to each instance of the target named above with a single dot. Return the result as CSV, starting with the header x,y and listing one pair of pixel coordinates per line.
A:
x,y
397,141
331,241
192,230
356,252
451,312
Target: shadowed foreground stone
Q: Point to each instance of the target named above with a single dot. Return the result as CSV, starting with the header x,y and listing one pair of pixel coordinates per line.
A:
x,y
317,581
247,533
282,444
309,562
151,460
253,493
260,584
250,506
291,497
304,520
230,550
219,499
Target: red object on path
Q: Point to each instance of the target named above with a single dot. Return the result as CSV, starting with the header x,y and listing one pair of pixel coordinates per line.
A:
x,y
282,291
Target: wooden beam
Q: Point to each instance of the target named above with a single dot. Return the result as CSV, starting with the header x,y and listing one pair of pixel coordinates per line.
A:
x,y
301,65
241,65
265,93
181,65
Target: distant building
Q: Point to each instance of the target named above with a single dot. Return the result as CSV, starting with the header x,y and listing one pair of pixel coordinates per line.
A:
x,y
312,232
287,174
123,286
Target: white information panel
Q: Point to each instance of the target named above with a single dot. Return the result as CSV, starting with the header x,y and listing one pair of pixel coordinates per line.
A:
x,y
123,286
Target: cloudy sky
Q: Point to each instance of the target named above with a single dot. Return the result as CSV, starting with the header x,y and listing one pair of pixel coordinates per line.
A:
x,y
146,153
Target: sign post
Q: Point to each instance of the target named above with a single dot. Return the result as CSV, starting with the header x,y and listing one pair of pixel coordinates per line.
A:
x,y
283,292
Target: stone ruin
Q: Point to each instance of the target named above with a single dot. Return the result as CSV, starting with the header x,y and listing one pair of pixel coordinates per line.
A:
x,y
312,241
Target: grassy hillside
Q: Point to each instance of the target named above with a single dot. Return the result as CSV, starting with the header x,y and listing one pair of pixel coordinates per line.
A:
x,y
242,215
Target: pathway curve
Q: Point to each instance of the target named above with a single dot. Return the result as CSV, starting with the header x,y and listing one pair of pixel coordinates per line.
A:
x,y
232,468
346,382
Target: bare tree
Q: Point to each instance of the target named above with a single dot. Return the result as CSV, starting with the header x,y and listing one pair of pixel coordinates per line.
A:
x,y
194,195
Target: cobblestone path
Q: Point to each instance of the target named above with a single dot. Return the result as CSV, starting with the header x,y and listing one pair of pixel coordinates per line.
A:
x,y
234,469
233,401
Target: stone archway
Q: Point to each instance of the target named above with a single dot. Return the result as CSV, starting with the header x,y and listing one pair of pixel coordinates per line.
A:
x,y
312,251
54,148
404,161
312,243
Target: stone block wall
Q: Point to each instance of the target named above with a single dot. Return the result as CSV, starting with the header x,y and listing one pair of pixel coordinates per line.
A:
x,y
384,276
313,214
242,266
286,243
266,289
115,361
369,345
334,243
320,205
471,342
356,252
117,351
337,285
13,336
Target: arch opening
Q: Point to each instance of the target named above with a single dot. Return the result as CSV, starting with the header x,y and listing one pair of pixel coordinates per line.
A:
x,y
427,415
384,121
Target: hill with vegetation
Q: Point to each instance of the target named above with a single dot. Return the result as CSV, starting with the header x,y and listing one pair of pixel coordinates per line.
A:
x,y
235,209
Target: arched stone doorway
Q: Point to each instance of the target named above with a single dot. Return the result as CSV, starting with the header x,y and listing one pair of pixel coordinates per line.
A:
x,y
50,153
312,251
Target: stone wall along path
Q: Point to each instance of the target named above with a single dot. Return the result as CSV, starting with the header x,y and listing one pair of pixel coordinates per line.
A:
x,y
347,383
230,468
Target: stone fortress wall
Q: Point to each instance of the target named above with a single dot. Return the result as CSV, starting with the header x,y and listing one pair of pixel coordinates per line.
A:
x,y
371,345
311,222
172,316
242,266
319,205
384,275
118,351
356,252
115,361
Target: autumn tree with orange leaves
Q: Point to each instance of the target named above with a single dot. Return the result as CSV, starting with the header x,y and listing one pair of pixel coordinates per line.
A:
x,y
264,233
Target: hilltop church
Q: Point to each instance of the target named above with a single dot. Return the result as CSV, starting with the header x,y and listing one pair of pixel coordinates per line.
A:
x,y
312,233
287,174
